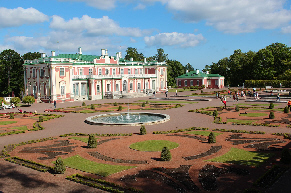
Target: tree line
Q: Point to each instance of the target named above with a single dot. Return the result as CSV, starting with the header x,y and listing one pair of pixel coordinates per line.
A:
x,y
270,63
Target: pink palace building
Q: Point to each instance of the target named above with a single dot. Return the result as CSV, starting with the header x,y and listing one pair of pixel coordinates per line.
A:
x,y
78,77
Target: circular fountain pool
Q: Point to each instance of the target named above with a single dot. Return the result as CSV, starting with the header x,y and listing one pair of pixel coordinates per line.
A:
x,y
129,118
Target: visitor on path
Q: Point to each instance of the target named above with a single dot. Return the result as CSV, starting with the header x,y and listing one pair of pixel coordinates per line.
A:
x,y
278,97
228,92
289,104
233,96
20,110
176,93
216,95
166,93
55,104
223,99
154,93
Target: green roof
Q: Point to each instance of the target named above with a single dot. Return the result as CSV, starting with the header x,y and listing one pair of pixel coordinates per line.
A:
x,y
192,74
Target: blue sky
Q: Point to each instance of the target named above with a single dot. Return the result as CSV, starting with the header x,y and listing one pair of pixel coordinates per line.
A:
x,y
190,31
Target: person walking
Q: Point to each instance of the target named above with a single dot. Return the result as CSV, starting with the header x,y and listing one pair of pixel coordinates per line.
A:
x,y
278,97
176,93
55,104
223,99
289,104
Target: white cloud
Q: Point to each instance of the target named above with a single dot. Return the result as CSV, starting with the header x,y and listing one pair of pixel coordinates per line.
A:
x,y
286,29
19,16
174,39
94,26
232,16
100,4
140,6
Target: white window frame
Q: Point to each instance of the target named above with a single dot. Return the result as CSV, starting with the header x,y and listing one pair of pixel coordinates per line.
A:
x,y
136,71
98,88
191,82
33,73
116,87
185,82
129,71
140,71
107,71
198,82
162,72
179,82
113,71
62,71
80,71
99,71
121,71
63,90
90,71
131,86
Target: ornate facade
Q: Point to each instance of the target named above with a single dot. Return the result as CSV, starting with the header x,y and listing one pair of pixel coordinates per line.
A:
x,y
71,77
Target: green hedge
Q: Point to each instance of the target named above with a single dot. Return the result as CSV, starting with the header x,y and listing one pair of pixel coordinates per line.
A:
x,y
263,83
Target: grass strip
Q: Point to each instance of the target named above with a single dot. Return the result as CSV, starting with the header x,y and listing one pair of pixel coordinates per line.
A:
x,y
153,145
23,128
240,121
254,114
242,157
204,133
79,163
7,122
167,102
83,139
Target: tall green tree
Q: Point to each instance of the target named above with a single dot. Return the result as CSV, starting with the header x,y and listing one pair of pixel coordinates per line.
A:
x,y
133,53
175,69
11,71
188,67
31,56
161,56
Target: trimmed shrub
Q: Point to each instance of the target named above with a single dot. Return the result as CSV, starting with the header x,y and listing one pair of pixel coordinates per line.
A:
x,y
120,108
236,108
83,104
15,100
215,113
28,100
285,156
59,168
286,110
92,143
271,115
115,104
166,154
143,130
92,106
40,119
271,106
211,138
143,104
11,116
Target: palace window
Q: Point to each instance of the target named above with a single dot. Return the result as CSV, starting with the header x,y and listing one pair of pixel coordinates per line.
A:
x,y
62,71
99,71
114,71
90,71
80,71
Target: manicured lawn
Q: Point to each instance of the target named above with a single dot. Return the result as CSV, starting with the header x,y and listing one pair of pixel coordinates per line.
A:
x,y
240,121
23,128
7,122
79,163
87,111
254,114
83,139
242,157
204,133
153,145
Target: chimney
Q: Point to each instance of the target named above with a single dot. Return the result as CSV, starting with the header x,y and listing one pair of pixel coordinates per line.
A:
x,y
207,72
145,60
197,71
131,59
102,52
79,50
53,53
42,55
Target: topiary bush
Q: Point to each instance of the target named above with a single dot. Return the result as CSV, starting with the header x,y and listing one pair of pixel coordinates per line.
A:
x,y
237,108
211,138
15,100
142,130
285,156
115,104
271,115
119,108
92,106
215,113
92,143
28,100
59,168
286,110
11,116
271,106
40,119
143,104
83,104
166,154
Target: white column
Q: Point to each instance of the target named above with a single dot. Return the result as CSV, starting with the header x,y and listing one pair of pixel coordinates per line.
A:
x,y
25,82
71,83
38,84
92,89
53,84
